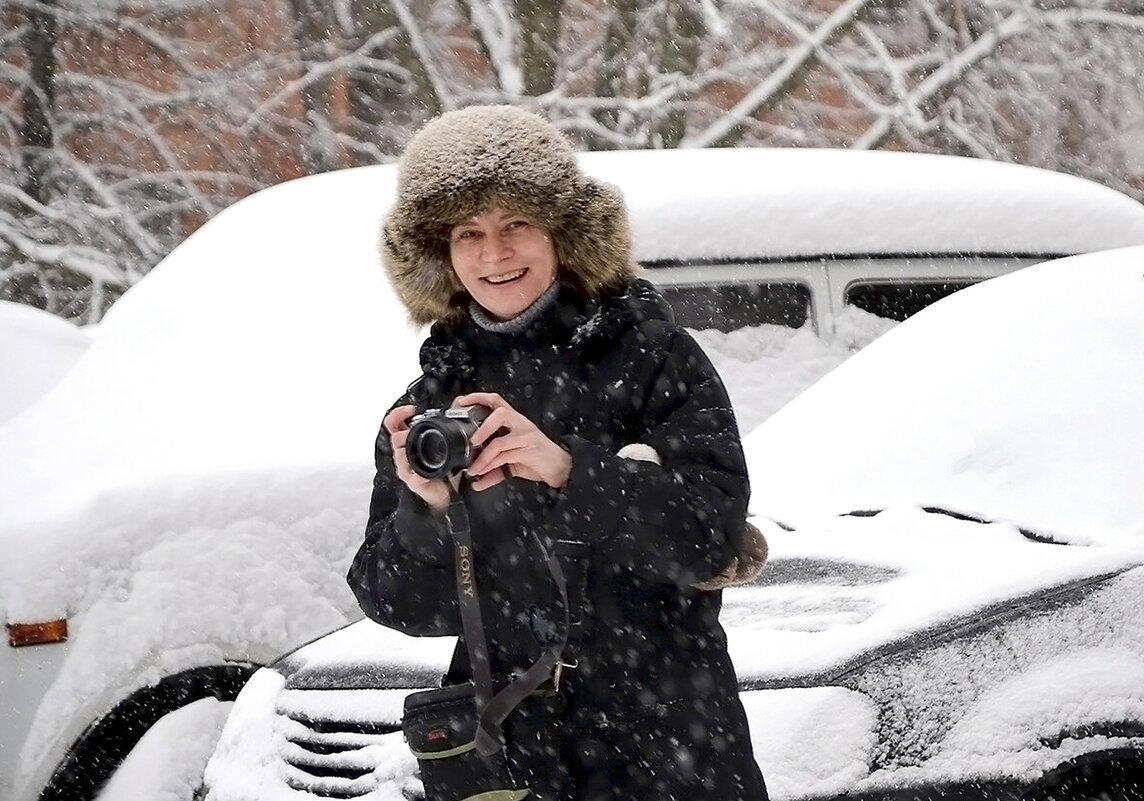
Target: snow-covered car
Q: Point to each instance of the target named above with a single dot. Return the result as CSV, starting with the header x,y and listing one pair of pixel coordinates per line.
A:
x,y
952,609
183,506
36,350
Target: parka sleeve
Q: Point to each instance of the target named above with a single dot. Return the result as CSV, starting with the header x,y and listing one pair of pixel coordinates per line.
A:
x,y
402,575
680,521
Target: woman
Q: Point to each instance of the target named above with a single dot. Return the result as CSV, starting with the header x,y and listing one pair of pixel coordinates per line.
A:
x,y
608,426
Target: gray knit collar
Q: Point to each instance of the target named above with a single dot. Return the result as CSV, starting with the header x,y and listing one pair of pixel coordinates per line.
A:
x,y
516,324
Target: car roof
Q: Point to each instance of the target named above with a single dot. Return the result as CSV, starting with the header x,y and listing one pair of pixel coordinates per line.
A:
x,y
772,203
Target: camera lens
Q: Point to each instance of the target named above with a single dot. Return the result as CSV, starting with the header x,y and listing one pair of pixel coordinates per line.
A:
x,y
438,443
432,450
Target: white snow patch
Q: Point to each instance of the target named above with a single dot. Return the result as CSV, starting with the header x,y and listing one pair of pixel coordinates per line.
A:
x,y
250,739
1102,684
812,742
1018,700
365,642
195,408
359,706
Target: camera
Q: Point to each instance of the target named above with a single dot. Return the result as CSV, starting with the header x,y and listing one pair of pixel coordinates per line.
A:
x,y
438,443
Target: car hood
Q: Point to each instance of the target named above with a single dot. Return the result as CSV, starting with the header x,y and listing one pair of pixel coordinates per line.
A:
x,y
853,588
834,595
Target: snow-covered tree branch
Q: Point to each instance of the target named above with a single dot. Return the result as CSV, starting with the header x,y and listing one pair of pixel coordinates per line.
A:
x,y
124,125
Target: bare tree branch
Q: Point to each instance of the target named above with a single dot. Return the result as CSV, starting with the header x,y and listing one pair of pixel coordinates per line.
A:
x,y
845,16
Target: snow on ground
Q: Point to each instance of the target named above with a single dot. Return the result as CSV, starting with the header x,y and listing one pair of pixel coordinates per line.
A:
x,y
36,350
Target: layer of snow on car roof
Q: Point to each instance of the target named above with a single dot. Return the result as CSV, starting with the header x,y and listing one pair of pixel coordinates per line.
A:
x,y
775,203
1018,399
36,350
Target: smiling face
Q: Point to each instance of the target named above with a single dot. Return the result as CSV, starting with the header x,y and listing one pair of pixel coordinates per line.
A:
x,y
504,259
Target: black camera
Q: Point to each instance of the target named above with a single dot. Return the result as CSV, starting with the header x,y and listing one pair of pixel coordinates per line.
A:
x,y
438,443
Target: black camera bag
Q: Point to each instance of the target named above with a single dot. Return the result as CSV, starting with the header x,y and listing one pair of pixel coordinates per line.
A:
x,y
441,728
455,731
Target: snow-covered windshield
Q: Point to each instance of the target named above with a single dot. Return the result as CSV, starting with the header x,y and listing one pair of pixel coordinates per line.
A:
x,y
1015,400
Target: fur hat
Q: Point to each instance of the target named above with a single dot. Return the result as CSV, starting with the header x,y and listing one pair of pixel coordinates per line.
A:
x,y
465,161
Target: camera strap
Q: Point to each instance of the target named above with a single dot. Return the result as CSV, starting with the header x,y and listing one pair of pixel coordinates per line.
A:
x,y
493,708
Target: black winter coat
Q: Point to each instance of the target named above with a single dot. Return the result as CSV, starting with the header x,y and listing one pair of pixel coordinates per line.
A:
x,y
652,710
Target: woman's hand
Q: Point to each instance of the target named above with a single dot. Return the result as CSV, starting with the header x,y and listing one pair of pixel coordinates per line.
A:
x,y
434,492
522,449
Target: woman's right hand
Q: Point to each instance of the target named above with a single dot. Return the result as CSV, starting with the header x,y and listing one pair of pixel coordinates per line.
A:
x,y
434,492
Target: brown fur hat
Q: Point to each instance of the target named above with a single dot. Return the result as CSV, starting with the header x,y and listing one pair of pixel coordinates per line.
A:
x,y
463,162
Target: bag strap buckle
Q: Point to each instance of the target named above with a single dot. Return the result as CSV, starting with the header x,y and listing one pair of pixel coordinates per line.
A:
x,y
558,672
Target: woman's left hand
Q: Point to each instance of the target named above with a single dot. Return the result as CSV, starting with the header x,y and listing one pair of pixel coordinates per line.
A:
x,y
521,448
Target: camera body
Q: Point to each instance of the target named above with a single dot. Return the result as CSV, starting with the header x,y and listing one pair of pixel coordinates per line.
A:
x,y
438,444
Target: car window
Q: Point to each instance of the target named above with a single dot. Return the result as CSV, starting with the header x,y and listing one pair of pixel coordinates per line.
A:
x,y
730,306
898,300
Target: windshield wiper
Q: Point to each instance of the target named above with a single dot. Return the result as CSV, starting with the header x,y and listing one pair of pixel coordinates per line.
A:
x,y
1027,533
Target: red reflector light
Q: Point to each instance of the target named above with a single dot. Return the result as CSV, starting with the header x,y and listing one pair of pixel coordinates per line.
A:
x,y
437,736
21,634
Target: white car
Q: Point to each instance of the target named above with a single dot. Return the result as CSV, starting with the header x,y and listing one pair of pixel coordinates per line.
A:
x,y
183,506
952,609
36,350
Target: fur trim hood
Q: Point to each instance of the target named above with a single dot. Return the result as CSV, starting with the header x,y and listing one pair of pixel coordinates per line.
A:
x,y
464,161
